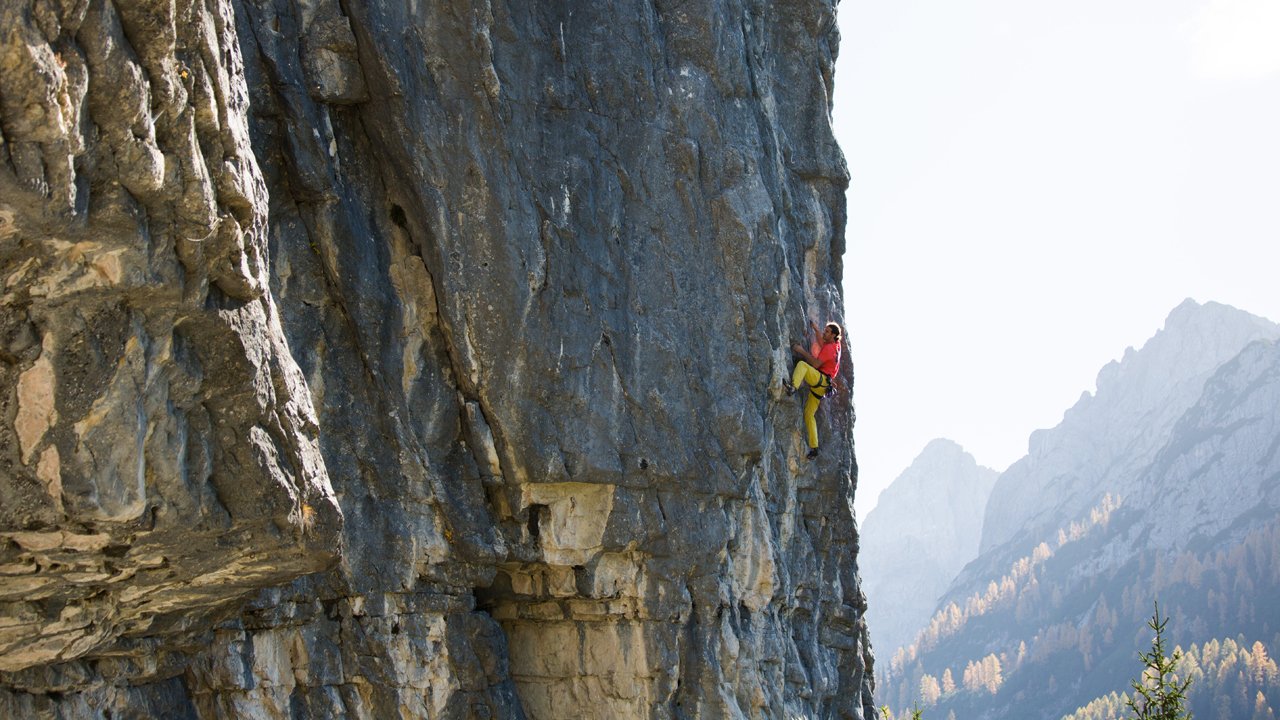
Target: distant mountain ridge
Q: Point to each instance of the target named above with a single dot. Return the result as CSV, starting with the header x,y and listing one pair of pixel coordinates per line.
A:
x,y
1236,418
924,529
1108,437
1164,485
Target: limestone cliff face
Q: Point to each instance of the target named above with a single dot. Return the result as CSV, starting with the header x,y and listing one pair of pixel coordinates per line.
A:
x,y
420,360
160,452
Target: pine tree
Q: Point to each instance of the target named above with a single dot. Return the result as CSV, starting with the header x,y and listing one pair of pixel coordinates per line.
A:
x,y
916,714
1159,694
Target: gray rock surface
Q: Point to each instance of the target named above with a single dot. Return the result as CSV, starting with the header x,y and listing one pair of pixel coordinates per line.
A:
x,y
924,528
420,360
160,459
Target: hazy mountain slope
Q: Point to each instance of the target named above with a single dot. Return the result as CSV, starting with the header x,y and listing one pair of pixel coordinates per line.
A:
x,y
924,528
1220,470
1105,441
1196,527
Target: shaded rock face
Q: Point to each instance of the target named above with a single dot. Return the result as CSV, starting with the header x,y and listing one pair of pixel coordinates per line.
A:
x,y
160,452
450,333
924,529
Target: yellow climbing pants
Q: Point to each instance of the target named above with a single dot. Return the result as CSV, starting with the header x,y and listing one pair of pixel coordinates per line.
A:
x,y
818,386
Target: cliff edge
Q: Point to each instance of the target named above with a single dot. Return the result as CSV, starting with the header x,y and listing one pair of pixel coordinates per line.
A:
x,y
421,360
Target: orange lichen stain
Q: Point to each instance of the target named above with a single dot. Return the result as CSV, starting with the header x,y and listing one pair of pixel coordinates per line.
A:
x,y
307,518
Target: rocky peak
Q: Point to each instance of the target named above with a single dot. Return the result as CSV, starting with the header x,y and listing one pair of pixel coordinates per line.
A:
x,y
1121,427
1195,524
939,497
1195,340
923,530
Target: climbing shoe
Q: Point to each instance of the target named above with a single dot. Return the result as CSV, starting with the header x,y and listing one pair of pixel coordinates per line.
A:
x,y
791,389
813,453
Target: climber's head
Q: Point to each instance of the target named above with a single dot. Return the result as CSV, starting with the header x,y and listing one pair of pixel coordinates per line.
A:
x,y
831,333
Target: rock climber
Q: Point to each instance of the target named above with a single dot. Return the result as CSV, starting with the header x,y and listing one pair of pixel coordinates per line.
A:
x,y
816,367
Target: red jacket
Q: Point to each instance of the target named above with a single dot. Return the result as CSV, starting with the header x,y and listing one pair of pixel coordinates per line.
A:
x,y
828,357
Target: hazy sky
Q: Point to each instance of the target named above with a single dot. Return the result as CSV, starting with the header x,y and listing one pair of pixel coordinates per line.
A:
x,y
1036,184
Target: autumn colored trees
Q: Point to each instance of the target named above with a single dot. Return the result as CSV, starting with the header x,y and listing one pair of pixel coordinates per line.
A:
x,y
1073,637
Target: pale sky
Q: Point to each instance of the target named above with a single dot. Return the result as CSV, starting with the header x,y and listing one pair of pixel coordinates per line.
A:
x,y
1035,185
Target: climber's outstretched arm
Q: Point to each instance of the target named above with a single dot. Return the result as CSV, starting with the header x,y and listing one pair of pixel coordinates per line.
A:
x,y
804,354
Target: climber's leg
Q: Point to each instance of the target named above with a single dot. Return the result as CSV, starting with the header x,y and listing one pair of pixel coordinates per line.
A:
x,y
810,421
805,372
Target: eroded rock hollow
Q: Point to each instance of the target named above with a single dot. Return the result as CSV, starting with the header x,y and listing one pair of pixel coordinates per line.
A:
x,y
421,360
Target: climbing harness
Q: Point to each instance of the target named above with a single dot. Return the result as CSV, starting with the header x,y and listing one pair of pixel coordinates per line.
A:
x,y
824,384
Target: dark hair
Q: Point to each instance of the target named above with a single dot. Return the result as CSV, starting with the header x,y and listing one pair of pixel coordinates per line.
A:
x,y
835,329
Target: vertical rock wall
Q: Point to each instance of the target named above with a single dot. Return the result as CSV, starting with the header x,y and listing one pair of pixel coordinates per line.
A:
x,y
160,459
485,302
